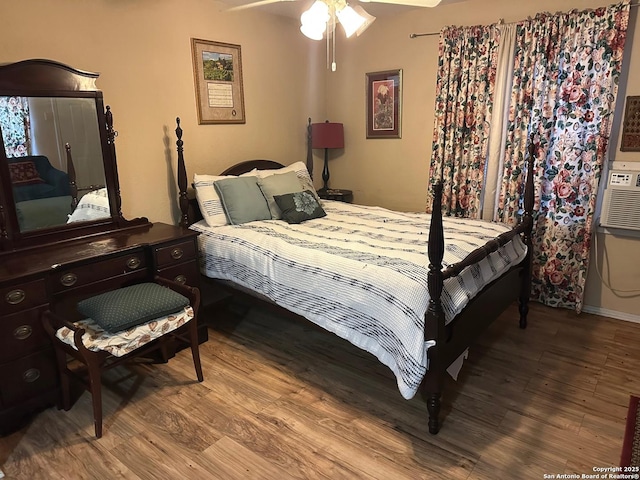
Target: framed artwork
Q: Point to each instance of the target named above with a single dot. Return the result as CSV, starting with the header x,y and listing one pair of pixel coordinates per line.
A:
x,y
217,72
384,104
631,126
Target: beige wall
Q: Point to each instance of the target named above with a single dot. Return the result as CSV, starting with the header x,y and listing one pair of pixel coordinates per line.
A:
x,y
394,172
142,50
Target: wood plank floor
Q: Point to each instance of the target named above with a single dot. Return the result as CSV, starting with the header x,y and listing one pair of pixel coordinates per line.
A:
x,y
282,399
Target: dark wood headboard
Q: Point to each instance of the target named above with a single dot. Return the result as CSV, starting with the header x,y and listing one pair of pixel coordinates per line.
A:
x,y
248,165
189,209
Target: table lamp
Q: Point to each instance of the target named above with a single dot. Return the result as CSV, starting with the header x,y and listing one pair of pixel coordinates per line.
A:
x,y
327,135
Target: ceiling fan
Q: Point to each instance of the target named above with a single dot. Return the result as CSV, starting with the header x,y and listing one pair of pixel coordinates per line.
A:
x,y
410,3
323,16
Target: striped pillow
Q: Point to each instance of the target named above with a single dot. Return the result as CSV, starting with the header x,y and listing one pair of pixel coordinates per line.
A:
x,y
208,199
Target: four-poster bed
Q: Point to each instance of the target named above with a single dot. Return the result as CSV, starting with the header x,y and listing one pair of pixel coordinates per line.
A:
x,y
445,335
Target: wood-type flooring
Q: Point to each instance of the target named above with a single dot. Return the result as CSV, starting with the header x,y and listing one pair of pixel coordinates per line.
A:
x,y
285,400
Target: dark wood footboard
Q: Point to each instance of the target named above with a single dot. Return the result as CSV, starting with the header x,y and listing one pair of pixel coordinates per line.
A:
x,y
454,338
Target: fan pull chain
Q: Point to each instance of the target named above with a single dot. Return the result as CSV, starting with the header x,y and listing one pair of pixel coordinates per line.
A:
x,y
328,30
333,64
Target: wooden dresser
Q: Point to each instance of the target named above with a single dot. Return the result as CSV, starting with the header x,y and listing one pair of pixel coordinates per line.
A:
x,y
56,276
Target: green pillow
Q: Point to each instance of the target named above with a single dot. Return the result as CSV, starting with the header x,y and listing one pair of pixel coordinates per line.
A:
x,y
299,206
130,306
242,200
278,184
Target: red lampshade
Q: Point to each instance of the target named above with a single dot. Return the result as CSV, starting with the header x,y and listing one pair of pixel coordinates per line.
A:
x,y
327,135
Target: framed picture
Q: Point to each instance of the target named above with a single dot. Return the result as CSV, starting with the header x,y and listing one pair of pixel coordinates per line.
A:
x,y
217,72
384,104
631,126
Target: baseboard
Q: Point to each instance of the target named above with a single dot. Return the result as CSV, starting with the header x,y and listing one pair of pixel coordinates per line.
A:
x,y
605,312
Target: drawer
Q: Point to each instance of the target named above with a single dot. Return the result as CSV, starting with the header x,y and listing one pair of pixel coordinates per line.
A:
x,y
185,273
23,296
175,253
98,271
28,376
22,333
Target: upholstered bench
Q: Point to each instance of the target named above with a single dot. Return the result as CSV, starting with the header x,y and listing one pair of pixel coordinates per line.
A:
x,y
122,324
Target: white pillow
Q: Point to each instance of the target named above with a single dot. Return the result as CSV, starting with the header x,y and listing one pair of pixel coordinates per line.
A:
x,y
208,199
300,168
211,205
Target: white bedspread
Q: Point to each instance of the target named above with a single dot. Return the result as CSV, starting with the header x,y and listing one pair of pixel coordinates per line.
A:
x,y
360,272
92,206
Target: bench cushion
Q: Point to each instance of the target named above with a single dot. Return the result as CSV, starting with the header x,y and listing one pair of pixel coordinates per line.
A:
x,y
126,341
130,306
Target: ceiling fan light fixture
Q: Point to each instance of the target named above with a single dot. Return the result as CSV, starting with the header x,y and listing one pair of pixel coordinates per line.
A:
x,y
317,13
350,20
408,3
322,17
312,31
368,19
314,21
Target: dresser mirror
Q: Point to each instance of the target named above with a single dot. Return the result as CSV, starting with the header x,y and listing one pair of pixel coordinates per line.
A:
x,y
58,172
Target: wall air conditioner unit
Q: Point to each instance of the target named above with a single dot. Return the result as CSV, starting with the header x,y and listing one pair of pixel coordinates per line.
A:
x,y
621,204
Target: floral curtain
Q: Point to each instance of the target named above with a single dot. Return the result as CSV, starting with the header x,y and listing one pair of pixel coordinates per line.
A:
x,y
566,75
15,125
464,90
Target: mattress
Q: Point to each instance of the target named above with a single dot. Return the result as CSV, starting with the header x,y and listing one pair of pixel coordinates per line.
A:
x,y
359,272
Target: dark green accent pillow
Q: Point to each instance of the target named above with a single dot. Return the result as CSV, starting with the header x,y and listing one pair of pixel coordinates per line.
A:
x,y
130,306
299,206
242,200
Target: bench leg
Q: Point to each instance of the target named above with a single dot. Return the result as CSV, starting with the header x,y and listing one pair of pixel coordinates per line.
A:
x,y
95,386
195,349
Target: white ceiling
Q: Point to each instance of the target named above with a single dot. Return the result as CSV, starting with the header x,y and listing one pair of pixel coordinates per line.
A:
x,y
295,8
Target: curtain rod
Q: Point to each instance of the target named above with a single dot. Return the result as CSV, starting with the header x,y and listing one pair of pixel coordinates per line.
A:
x,y
500,22
414,35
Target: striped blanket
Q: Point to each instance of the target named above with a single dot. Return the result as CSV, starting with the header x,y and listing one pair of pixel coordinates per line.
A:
x,y
360,272
92,206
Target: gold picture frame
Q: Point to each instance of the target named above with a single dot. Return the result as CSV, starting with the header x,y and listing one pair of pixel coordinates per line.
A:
x,y
217,72
384,104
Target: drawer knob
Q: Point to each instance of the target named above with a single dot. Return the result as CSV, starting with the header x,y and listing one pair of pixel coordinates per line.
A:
x,y
69,279
23,332
31,375
14,297
180,279
177,253
133,263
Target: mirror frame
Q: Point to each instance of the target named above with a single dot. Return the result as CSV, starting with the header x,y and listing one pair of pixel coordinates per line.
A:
x,y
48,78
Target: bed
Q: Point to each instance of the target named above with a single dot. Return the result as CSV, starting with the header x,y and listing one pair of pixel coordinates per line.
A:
x,y
437,299
93,205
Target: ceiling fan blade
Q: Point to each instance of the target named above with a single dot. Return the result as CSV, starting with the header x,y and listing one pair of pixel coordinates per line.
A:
x,y
410,3
256,4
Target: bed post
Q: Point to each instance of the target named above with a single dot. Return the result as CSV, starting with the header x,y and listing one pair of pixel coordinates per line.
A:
x,y
527,220
182,179
434,328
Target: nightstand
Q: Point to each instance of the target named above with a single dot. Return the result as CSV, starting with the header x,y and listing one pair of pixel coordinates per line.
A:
x,y
336,194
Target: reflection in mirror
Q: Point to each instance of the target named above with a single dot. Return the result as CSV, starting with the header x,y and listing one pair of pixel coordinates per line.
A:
x,y
54,155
